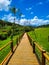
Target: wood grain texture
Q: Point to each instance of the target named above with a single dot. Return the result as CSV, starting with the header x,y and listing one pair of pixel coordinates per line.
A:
x,y
24,54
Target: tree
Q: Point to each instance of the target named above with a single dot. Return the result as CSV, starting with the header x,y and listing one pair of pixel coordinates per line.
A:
x,y
13,10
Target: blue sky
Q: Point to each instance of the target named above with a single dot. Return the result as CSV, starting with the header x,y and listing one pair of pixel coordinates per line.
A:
x,y
34,12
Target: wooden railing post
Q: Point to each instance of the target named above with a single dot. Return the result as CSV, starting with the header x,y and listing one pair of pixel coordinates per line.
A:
x,y
48,38
17,41
30,42
33,47
12,46
43,57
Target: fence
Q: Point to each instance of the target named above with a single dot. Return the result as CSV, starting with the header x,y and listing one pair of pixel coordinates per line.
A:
x,y
41,54
7,50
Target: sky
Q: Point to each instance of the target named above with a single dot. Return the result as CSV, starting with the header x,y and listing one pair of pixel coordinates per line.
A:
x,y
34,12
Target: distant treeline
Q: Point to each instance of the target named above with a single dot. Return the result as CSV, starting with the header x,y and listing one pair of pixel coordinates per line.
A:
x,y
4,23
43,26
16,26
19,27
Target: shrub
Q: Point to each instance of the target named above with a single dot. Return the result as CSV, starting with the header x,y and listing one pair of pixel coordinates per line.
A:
x,y
3,36
9,32
0,35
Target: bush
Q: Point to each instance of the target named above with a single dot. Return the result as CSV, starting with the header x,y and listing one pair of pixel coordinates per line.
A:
x,y
14,33
3,36
0,35
9,32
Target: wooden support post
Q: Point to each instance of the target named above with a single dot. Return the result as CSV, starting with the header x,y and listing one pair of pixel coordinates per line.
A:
x,y
12,46
48,38
43,57
17,41
33,47
30,42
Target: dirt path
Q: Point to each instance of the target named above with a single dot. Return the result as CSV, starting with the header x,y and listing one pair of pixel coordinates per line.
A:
x,y
24,54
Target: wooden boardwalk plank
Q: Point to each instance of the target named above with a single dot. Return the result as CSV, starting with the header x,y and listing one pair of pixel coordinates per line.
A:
x,y
24,54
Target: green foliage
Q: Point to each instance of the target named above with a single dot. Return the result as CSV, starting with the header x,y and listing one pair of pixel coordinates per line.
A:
x,y
13,10
9,32
6,50
3,36
4,53
41,37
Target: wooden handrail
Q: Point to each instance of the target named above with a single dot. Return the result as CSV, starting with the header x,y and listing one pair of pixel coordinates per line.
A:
x,y
30,37
10,53
38,46
46,56
5,45
12,49
8,43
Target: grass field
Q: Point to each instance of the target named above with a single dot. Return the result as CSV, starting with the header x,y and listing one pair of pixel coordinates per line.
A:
x,y
2,43
6,50
40,35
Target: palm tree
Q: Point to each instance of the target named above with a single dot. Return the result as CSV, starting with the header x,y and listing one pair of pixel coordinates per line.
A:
x,y
13,10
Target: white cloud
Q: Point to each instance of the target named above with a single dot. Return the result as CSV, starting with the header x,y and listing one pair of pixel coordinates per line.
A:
x,y
4,4
35,18
9,17
32,22
47,16
31,12
29,8
23,21
26,8
39,3
22,16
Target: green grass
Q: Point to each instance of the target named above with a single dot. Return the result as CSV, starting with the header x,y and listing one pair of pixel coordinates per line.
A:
x,y
6,50
14,40
40,35
2,43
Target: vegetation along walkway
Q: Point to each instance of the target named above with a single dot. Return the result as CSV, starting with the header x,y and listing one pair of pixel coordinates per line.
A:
x,y
24,54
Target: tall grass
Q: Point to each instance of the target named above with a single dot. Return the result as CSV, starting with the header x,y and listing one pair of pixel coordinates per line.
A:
x,y
40,35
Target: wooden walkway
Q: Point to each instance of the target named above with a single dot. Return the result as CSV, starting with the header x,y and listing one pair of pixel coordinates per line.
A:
x,y
24,54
